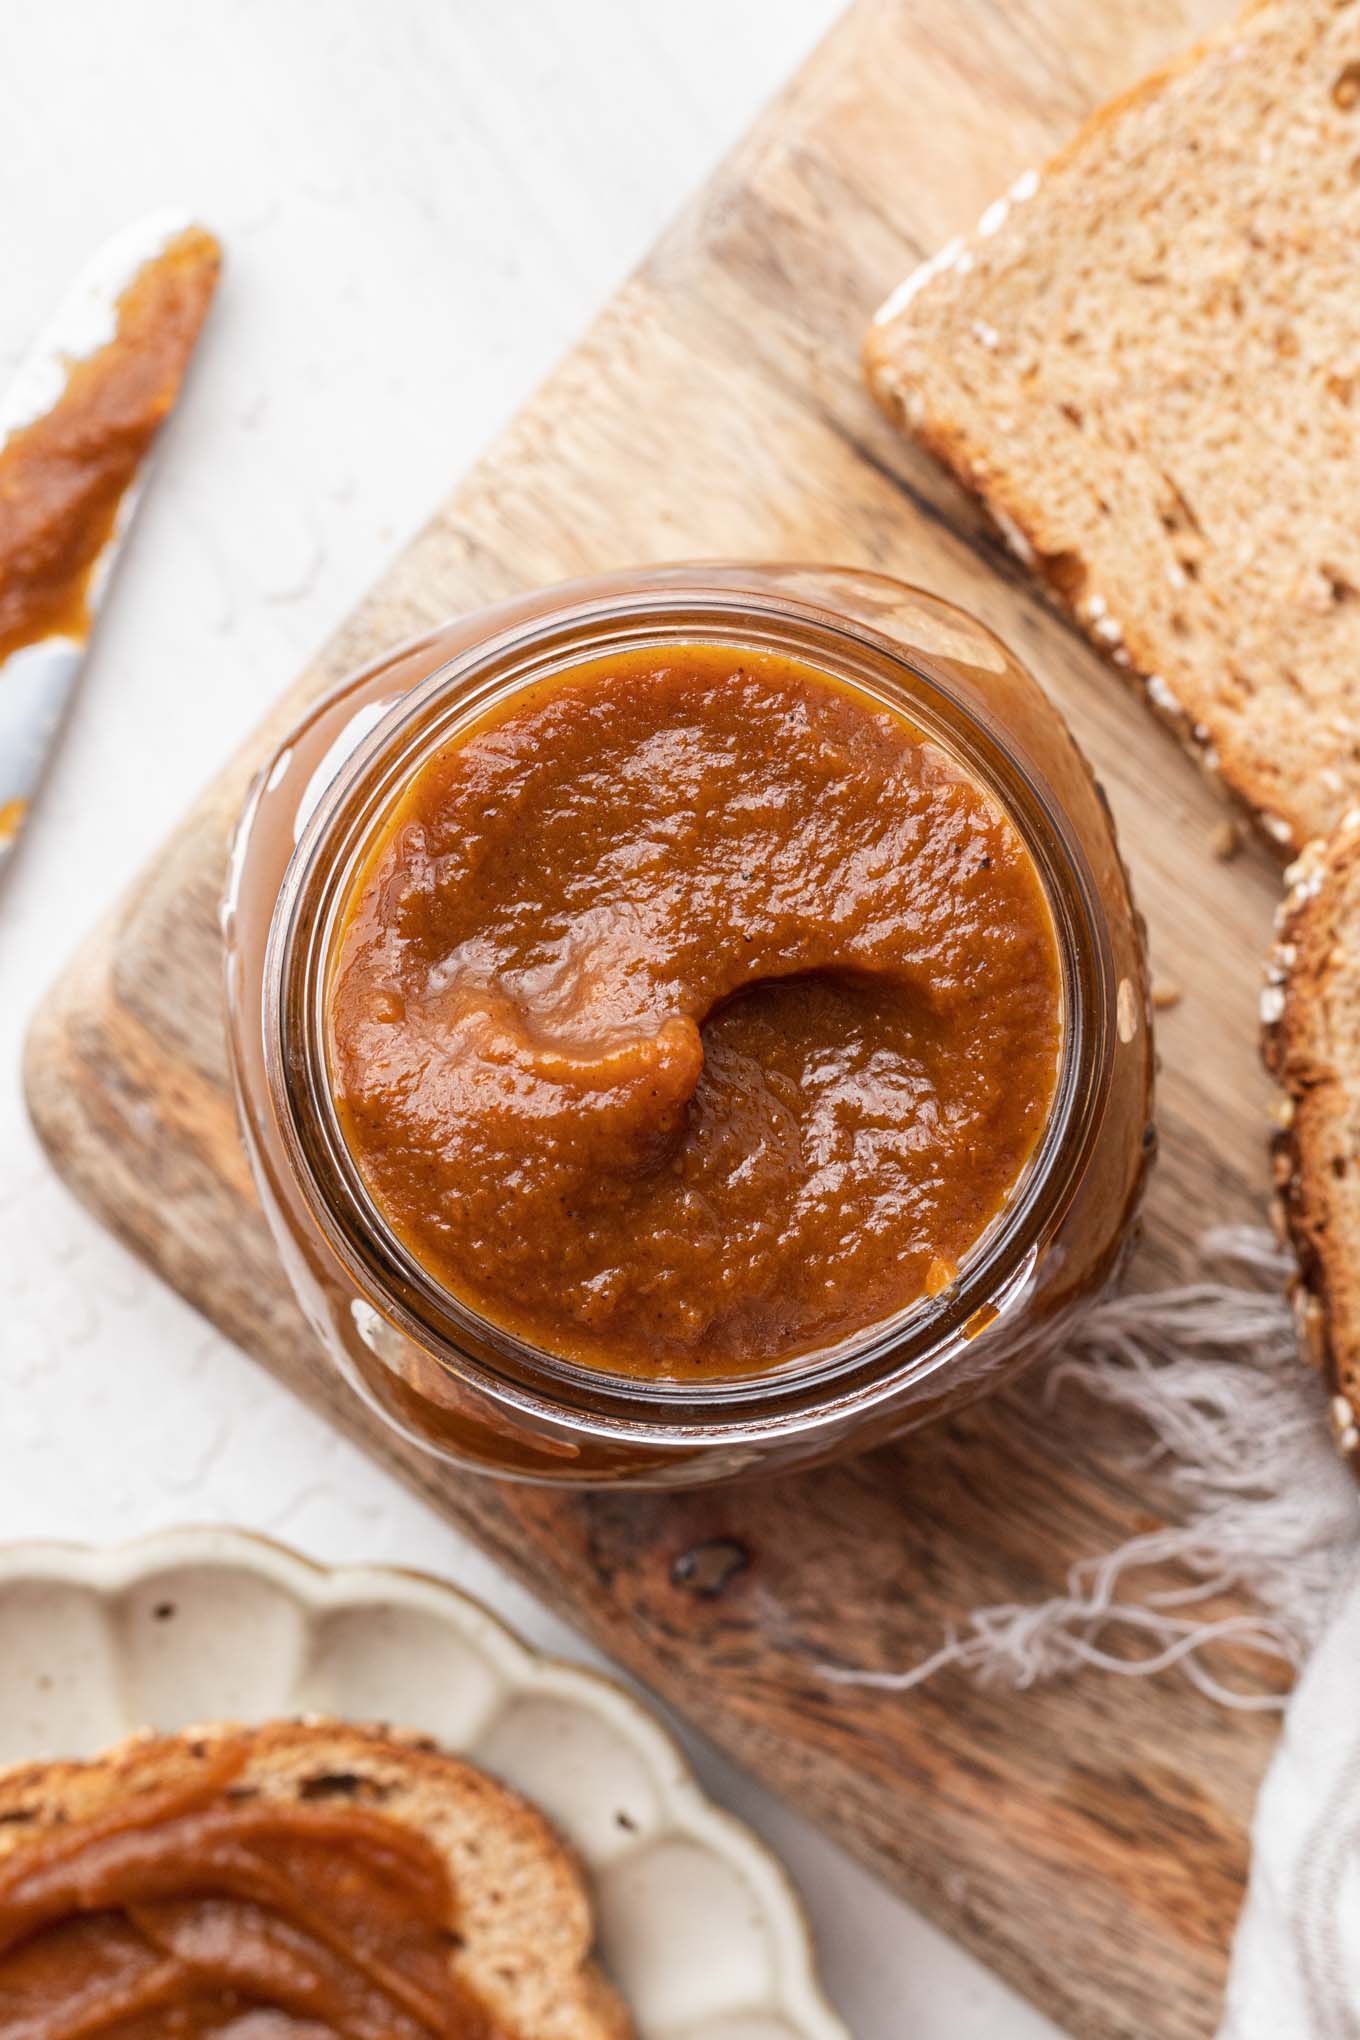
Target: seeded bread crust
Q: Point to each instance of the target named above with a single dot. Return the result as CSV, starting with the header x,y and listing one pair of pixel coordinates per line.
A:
x,y
524,1916
1310,1016
1145,363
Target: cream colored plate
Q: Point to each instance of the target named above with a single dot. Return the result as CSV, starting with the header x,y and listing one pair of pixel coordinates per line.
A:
x,y
699,1926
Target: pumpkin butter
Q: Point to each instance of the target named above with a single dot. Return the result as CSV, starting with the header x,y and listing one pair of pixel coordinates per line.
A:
x,y
194,1910
693,1011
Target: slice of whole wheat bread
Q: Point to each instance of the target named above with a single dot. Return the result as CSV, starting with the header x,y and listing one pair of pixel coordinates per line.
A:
x,y
1146,362
524,1918
1310,1011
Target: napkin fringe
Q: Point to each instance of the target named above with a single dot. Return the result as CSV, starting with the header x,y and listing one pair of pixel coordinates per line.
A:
x,y
1240,1425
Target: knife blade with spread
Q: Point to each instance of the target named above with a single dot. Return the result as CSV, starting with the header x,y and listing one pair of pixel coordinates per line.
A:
x,y
76,428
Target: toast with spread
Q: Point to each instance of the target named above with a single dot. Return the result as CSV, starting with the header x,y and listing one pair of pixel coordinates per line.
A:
x,y
341,1879
1146,363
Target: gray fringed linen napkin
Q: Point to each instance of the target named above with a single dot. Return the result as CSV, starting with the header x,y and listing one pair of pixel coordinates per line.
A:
x,y
1240,1425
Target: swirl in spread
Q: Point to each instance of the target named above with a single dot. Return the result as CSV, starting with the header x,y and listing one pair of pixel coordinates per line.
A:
x,y
692,1012
187,1911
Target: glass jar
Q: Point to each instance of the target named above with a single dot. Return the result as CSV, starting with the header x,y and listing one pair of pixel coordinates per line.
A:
x,y
467,1389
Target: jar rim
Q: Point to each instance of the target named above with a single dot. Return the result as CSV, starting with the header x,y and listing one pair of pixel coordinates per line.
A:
x,y
867,1366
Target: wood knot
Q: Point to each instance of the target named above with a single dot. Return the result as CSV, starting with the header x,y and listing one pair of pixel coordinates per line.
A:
x,y
706,1569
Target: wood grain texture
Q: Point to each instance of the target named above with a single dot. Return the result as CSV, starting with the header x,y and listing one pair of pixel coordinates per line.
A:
x,y
1088,1839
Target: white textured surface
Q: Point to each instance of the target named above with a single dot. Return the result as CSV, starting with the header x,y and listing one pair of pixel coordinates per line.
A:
x,y
422,205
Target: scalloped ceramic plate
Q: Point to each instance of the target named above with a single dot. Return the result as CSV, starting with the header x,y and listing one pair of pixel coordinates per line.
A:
x,y
699,1926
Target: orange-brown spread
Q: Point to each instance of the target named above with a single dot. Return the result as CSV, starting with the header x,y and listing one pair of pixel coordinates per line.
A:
x,y
63,477
193,1911
693,1012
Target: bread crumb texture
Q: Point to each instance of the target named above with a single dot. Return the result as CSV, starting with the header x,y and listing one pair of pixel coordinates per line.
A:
x,y
1310,1010
1146,362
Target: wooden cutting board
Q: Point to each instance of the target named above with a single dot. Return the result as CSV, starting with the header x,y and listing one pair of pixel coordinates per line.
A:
x,y
1087,1839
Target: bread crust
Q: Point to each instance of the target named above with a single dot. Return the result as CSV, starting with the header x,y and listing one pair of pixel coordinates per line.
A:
x,y
525,1917
1317,1094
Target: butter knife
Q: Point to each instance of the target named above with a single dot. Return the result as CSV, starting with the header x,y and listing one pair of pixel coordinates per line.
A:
x,y
77,425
